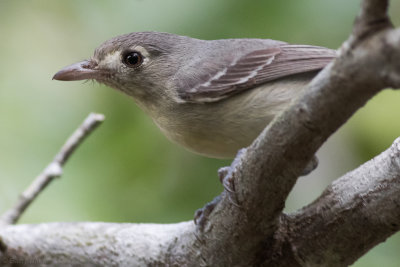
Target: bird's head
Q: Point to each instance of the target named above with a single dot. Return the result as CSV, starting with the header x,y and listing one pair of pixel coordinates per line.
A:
x,y
137,64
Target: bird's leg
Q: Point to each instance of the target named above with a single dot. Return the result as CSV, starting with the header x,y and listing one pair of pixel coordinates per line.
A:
x,y
226,176
201,215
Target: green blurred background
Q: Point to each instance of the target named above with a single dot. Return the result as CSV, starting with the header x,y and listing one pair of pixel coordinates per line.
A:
x,y
127,171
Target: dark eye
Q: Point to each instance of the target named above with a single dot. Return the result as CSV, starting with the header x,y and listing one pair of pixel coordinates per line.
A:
x,y
132,59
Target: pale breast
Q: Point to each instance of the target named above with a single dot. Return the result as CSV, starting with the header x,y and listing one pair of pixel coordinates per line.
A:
x,y
220,129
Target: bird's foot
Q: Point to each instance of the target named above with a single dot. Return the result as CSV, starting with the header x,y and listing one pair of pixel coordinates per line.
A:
x,y
227,178
201,215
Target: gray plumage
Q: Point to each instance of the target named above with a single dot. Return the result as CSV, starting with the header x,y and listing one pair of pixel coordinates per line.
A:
x,y
213,97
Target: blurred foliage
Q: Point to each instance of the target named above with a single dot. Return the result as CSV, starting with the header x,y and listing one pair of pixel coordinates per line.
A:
x,y
127,171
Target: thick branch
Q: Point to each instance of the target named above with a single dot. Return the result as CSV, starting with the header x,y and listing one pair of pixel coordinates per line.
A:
x,y
53,170
94,244
335,230
355,213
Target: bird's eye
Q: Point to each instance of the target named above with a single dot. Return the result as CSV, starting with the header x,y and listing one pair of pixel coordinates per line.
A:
x,y
132,59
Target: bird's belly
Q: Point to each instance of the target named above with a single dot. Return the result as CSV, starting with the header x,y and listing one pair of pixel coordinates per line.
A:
x,y
214,142
216,131
220,129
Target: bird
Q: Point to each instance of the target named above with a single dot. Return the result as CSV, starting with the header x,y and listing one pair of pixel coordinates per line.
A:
x,y
212,97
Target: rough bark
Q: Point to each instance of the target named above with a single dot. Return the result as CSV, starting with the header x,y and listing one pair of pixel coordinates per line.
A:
x,y
248,227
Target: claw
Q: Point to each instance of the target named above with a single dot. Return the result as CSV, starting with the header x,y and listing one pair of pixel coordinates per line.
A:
x,y
228,183
226,177
201,215
222,172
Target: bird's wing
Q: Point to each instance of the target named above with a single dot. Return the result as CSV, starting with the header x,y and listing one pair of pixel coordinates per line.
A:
x,y
257,67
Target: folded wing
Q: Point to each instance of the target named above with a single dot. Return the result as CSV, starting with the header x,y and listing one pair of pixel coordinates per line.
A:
x,y
258,67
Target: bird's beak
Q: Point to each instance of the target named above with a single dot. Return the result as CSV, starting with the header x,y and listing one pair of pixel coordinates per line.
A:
x,y
79,71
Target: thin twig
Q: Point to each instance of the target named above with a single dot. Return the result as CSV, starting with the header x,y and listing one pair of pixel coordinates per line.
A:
x,y
53,170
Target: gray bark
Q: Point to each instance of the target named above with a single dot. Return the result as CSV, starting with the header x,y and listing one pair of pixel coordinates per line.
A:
x,y
249,228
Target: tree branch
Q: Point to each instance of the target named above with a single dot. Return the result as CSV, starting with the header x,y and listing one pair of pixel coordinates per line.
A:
x,y
257,232
53,170
334,230
372,12
93,244
373,17
343,223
